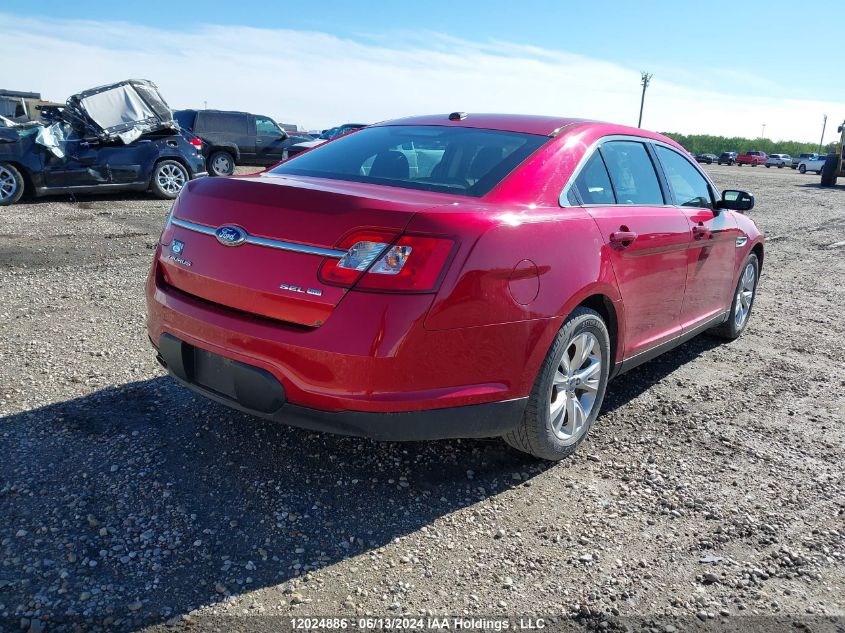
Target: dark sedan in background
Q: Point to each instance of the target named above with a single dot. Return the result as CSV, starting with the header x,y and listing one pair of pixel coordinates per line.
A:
x,y
706,158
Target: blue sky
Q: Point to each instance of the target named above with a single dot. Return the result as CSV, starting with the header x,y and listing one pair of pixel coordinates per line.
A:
x,y
730,66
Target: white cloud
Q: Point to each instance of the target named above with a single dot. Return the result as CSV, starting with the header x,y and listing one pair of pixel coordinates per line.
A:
x,y
317,80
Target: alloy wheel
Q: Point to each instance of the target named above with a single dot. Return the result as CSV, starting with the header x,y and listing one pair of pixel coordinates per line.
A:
x,y
745,295
171,178
574,387
8,184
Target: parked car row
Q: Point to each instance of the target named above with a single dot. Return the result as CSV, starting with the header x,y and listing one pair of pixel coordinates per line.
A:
x,y
124,136
804,162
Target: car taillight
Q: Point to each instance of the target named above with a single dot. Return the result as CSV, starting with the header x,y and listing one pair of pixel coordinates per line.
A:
x,y
195,142
378,262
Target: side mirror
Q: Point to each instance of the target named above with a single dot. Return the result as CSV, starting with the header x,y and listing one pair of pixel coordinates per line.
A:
x,y
285,135
736,200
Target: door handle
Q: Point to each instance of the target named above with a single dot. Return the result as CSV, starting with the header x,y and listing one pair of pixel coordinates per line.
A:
x,y
622,239
701,233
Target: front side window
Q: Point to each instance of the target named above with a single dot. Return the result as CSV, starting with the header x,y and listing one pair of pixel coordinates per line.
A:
x,y
632,173
463,161
593,184
266,127
688,186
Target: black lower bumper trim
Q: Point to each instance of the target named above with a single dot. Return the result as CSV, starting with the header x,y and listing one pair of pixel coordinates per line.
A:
x,y
255,391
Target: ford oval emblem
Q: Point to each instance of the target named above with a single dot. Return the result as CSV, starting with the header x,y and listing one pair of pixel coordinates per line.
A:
x,y
230,235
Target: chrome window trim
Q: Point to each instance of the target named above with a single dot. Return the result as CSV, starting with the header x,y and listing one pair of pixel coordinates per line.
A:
x,y
562,198
263,241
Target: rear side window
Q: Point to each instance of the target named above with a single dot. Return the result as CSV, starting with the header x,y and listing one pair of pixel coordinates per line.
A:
x,y
223,122
688,186
593,183
632,173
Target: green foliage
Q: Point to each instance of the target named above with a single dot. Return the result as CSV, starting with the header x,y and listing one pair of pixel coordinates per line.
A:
x,y
708,144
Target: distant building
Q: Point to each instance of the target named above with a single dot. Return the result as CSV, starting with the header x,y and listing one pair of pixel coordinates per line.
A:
x,y
288,127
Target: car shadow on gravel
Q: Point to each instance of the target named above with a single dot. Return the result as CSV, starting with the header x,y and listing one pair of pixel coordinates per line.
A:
x,y
640,379
818,185
90,200
140,503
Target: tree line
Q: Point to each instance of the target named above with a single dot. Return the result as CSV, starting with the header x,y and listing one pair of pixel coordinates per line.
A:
x,y
708,144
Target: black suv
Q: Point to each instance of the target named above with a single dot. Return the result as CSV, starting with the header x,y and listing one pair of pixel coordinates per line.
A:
x,y
236,138
112,138
727,158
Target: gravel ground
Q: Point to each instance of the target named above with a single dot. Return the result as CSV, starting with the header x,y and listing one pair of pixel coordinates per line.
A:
x,y
710,491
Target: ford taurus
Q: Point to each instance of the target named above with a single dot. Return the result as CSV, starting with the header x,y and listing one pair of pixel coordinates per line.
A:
x,y
449,276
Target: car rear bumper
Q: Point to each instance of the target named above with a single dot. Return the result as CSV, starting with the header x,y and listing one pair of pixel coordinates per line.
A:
x,y
371,369
256,391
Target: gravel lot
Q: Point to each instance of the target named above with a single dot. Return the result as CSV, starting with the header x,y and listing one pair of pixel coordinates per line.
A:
x,y
710,491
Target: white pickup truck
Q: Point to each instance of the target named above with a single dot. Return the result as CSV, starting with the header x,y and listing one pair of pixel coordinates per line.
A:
x,y
812,164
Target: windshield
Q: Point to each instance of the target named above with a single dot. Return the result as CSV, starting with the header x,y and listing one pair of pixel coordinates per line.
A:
x,y
464,161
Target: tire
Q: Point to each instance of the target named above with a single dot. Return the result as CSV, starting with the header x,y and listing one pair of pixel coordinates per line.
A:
x,y
767,165
831,166
168,178
780,166
738,319
583,330
221,163
802,169
11,184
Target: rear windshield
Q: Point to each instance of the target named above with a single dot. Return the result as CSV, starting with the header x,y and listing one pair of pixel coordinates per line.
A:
x,y
458,160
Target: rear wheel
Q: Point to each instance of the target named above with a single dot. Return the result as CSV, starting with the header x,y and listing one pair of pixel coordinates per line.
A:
x,y
168,179
11,184
221,163
744,295
831,166
569,389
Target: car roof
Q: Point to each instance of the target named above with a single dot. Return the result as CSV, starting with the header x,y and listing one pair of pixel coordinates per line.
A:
x,y
524,123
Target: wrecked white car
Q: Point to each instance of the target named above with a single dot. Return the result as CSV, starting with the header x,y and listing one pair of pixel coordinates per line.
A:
x,y
112,138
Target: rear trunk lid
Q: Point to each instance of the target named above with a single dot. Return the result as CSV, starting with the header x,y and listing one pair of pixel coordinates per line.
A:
x,y
289,225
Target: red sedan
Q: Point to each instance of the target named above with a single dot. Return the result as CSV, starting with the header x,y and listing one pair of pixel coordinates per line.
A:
x,y
449,276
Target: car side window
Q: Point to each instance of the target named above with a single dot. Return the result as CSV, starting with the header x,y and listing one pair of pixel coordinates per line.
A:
x,y
689,187
222,122
593,183
266,127
632,173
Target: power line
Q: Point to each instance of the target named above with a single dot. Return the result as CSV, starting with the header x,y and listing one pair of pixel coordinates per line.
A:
x,y
645,80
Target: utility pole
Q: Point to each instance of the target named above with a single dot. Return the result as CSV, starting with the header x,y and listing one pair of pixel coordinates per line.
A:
x,y
646,80
763,135
821,141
